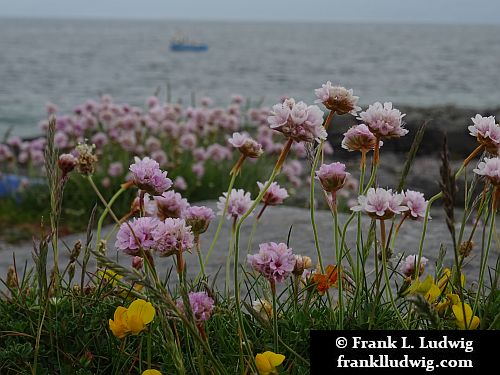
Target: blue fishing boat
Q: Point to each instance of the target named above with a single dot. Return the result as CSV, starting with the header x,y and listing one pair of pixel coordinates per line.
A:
x,y
180,43
183,47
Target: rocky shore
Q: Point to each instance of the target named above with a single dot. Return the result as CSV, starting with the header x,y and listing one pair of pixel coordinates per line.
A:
x,y
274,226
424,175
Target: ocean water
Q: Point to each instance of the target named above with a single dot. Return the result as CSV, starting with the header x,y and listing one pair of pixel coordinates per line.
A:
x,y
68,61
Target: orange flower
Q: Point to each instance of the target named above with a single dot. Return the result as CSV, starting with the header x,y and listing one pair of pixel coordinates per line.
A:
x,y
325,281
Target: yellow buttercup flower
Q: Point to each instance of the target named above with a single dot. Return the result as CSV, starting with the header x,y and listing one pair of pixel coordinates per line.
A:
x,y
443,281
139,314
109,276
151,372
119,325
427,288
132,320
451,299
444,284
267,362
467,321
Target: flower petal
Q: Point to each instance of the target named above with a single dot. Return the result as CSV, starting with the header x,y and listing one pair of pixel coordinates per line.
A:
x,y
274,359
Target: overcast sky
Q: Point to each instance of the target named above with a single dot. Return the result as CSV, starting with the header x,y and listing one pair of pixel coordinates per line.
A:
x,y
403,11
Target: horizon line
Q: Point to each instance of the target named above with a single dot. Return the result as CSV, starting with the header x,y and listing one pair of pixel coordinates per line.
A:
x,y
236,20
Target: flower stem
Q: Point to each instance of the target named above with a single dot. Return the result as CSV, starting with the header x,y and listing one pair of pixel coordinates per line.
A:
x,y
386,274
275,317
257,200
376,152
230,255
252,233
198,251
338,260
106,211
221,221
312,204
484,254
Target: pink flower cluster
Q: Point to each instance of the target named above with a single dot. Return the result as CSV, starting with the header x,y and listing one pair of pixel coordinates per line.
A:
x,y
416,203
490,168
238,204
172,235
380,203
198,218
246,144
274,195
201,305
332,176
487,133
148,233
383,120
274,261
408,266
298,121
147,175
168,133
136,234
359,138
337,99
169,204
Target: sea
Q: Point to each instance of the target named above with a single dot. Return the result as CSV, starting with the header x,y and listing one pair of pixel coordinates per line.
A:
x,y
66,61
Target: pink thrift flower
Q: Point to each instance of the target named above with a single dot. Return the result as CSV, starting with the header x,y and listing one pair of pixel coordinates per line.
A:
x,y
380,203
337,99
298,121
383,120
152,144
359,138
198,169
136,234
51,108
15,141
188,141
332,176
180,183
416,203
273,261
408,266
486,132
115,169
146,174
246,145
160,157
169,204
482,126
237,99
106,182
218,153
99,140
274,195
238,204
198,218
61,139
172,235
206,101
201,305
199,154
152,102
489,167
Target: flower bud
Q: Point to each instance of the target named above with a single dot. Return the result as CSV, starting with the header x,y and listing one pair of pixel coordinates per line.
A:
x,y
137,262
67,163
332,176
